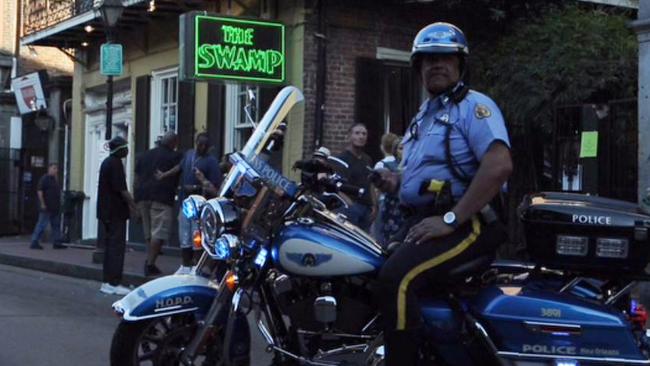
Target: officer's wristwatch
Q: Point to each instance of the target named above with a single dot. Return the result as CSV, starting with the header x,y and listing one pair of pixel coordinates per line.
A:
x,y
450,219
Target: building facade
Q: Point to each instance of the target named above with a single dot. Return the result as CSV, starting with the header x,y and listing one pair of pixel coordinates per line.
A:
x,y
350,58
26,147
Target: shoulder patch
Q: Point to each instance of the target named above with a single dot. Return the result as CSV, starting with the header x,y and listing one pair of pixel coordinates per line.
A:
x,y
482,111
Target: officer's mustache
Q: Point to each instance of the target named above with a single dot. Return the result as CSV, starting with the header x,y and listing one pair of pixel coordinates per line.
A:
x,y
436,72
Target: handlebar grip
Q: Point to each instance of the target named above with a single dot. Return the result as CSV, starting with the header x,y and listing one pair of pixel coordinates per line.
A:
x,y
351,190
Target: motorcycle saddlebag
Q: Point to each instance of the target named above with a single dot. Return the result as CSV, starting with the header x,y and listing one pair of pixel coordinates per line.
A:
x,y
586,234
526,325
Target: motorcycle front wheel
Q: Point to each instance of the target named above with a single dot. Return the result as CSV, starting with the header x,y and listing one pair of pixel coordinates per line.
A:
x,y
160,341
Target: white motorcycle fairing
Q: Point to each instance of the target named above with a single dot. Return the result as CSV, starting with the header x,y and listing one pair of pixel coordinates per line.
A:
x,y
167,295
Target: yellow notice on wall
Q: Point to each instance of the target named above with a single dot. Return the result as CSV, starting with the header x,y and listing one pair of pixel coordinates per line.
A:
x,y
589,144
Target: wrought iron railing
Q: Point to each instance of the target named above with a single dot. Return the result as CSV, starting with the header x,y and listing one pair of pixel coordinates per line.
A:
x,y
41,14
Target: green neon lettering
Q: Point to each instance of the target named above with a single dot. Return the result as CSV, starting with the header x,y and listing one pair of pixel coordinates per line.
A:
x,y
236,35
248,36
206,57
224,55
257,60
226,33
240,62
239,59
275,60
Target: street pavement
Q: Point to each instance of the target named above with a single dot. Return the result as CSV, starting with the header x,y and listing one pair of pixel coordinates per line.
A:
x,y
76,261
53,320
60,320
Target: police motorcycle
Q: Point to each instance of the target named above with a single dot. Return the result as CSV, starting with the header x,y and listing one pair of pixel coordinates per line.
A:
x,y
304,275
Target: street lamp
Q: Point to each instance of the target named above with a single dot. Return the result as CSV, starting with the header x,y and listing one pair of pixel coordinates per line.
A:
x,y
111,11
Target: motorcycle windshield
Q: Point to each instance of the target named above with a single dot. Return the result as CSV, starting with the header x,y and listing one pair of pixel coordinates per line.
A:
x,y
248,162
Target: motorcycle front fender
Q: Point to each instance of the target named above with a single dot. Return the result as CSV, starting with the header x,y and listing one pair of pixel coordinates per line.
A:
x,y
166,296
178,294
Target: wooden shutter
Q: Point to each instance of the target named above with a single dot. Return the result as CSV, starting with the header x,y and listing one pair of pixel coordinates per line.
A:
x,y
216,117
142,113
186,100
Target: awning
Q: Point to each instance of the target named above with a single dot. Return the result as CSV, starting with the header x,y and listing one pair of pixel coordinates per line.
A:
x,y
74,31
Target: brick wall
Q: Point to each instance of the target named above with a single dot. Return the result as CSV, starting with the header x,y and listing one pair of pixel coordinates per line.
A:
x,y
354,29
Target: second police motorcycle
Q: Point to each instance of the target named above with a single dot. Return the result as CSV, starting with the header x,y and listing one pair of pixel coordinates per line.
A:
x,y
277,260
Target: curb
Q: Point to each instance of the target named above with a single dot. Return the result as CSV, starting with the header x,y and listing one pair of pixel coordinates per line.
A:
x,y
140,247
65,269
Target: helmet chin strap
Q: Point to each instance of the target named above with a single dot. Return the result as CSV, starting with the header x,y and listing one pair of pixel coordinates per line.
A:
x,y
457,92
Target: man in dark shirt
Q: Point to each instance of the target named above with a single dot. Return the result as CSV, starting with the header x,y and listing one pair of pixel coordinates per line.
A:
x,y
161,194
362,212
199,173
114,203
49,200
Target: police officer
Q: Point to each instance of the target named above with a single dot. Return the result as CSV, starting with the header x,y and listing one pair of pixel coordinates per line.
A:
x,y
457,143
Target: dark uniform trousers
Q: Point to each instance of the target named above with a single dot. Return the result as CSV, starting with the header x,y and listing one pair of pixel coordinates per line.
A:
x,y
112,235
412,267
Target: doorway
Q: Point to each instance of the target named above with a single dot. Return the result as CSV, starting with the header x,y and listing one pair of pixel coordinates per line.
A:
x,y
96,151
388,95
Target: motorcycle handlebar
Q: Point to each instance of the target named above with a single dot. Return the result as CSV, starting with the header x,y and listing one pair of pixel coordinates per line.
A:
x,y
336,186
313,166
351,190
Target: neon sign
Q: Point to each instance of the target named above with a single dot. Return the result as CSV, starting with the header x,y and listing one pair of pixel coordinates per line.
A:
x,y
214,48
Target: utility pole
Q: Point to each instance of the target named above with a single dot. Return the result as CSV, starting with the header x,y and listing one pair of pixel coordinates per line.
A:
x,y
642,28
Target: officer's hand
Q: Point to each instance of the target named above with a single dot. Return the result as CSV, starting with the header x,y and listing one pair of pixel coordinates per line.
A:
x,y
386,181
427,229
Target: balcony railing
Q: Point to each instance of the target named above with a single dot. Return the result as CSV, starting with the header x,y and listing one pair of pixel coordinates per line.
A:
x,y
41,14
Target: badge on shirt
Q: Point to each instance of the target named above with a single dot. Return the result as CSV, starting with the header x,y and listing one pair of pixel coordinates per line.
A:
x,y
482,111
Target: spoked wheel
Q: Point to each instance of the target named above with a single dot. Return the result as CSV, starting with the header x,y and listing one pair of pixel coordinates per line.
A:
x,y
160,342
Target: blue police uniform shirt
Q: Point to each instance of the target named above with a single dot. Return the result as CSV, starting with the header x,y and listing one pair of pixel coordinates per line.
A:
x,y
476,123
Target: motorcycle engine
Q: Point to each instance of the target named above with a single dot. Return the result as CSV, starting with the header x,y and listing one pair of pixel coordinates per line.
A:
x,y
336,306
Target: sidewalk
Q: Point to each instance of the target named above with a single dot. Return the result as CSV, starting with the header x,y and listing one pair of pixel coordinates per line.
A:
x,y
76,261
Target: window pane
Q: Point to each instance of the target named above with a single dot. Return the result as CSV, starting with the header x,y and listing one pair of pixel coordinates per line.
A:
x,y
165,86
174,88
241,136
164,126
172,118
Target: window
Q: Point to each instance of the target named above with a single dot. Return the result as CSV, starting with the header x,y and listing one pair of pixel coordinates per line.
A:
x,y
238,126
5,77
164,104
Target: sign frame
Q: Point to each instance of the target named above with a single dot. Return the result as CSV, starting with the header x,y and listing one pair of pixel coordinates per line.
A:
x,y
192,48
104,51
31,95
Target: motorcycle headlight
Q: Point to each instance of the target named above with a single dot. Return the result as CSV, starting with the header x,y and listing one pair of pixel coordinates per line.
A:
x,y
225,245
219,216
192,206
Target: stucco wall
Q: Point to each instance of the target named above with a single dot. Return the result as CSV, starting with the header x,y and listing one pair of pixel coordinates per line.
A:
x,y
156,48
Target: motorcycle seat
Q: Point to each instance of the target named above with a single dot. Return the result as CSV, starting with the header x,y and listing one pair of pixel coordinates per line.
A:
x,y
469,269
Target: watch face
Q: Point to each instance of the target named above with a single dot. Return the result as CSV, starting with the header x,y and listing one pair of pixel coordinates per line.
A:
x,y
449,218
